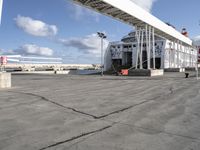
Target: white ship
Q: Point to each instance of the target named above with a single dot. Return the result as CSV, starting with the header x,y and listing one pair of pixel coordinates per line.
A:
x,y
128,53
153,45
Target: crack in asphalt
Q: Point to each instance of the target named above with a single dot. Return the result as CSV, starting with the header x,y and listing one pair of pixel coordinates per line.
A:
x,y
76,137
102,116
55,103
81,112
122,110
171,90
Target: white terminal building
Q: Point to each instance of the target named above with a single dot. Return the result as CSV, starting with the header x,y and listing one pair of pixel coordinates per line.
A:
x,y
129,53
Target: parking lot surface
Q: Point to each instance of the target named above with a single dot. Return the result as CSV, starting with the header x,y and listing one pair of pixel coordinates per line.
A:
x,y
65,112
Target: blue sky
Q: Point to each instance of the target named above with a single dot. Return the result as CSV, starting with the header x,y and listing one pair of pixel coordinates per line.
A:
x,y
58,28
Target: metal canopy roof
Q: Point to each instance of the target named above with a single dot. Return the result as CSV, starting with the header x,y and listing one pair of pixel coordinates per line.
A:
x,y
128,12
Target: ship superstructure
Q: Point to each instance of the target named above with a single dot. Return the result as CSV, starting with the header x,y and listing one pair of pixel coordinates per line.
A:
x,y
129,53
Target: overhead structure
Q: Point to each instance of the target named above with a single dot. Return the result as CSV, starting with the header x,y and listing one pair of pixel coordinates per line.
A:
x,y
147,28
130,13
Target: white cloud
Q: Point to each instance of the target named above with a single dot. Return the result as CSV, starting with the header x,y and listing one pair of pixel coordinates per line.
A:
x,y
35,27
80,13
7,52
31,49
196,40
145,4
90,44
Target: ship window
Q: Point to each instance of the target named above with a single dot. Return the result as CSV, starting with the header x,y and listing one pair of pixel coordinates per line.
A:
x,y
134,45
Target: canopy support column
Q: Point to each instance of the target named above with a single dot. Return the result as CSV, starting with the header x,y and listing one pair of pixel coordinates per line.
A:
x,y
178,48
174,54
153,48
169,53
137,32
141,48
147,47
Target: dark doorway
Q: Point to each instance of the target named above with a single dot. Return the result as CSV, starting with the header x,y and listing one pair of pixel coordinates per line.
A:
x,y
157,63
144,59
128,59
117,63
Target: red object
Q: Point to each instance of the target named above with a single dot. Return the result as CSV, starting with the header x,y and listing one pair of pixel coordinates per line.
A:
x,y
4,60
124,72
184,32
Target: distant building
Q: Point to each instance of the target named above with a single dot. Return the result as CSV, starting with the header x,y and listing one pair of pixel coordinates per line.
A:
x,y
19,59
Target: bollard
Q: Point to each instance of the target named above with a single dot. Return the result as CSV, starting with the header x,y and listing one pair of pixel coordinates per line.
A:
x,y
186,75
5,80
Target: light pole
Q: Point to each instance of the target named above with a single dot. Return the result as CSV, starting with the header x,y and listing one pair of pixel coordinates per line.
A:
x,y
102,36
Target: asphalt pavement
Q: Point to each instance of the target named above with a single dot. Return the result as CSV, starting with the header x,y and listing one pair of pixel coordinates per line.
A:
x,y
72,112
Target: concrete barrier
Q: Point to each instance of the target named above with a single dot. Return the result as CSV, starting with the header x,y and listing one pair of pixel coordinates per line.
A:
x,y
62,71
146,72
5,80
87,72
174,70
190,69
69,72
157,72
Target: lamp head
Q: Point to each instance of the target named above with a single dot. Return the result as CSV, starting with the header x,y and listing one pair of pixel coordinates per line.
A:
x,y
101,35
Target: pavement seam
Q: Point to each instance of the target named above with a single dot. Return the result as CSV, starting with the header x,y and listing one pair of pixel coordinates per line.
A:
x,y
76,137
102,116
122,110
55,103
84,113
115,112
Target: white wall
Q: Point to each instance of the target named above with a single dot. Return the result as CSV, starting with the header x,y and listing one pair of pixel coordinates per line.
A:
x,y
179,56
